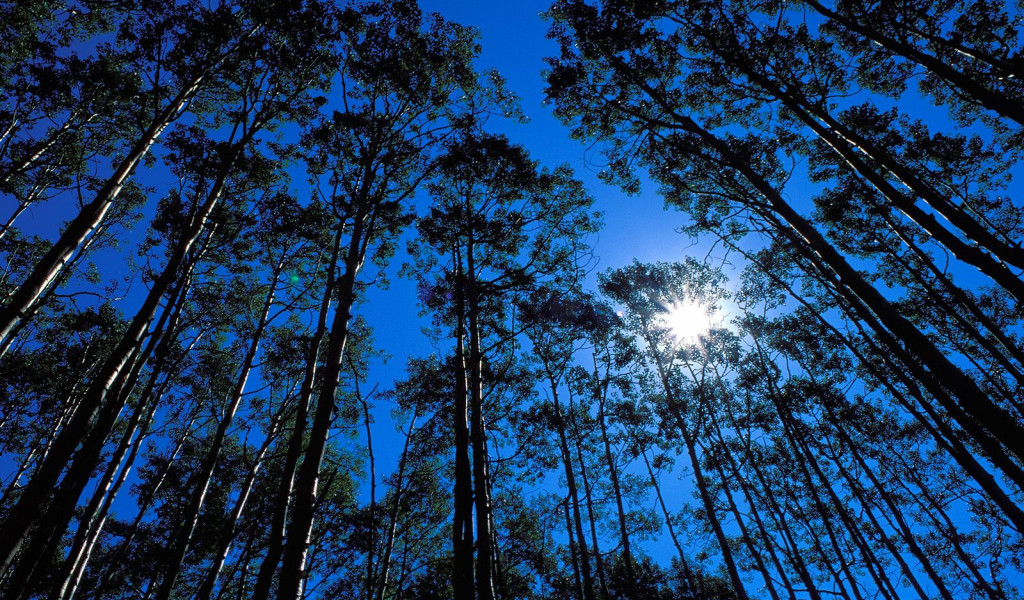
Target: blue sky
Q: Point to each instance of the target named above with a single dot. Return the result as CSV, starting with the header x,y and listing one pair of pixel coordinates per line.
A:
x,y
513,41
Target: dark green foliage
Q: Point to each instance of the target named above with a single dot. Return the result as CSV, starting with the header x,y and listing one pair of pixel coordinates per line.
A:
x,y
193,403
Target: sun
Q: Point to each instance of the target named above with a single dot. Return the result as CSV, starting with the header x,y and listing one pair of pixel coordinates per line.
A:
x,y
687,321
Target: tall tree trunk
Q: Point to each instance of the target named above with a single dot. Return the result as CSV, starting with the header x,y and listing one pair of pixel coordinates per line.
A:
x,y
895,514
703,487
485,543
683,562
754,511
810,487
223,548
462,526
937,512
51,527
91,523
574,497
371,546
384,571
986,97
972,400
748,540
834,268
190,518
279,519
775,510
588,493
117,556
165,334
841,573
932,422
675,406
613,474
100,407
808,459
75,120
1010,350
842,141
22,302
293,558
573,550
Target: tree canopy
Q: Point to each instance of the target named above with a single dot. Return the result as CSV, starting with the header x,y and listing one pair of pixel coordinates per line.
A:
x,y
213,207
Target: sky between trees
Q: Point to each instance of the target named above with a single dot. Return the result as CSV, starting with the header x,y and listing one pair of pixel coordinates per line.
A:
x,y
638,300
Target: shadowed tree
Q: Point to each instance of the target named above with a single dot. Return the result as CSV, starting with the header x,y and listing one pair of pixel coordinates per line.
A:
x,y
633,77
498,226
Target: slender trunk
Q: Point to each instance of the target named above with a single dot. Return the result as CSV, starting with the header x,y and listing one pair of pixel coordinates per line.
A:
x,y
371,547
613,474
68,268
242,564
7,135
223,548
703,487
91,523
157,392
100,407
937,513
842,141
748,540
40,148
384,570
272,557
753,509
588,493
462,526
164,336
60,511
23,204
932,422
573,550
22,302
834,268
986,97
574,497
1010,350
973,402
895,515
298,538
683,563
808,459
117,556
814,533
675,406
778,516
811,489
485,543
983,436
620,506
991,426
190,517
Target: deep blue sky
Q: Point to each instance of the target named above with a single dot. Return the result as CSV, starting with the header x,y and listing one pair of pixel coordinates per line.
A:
x,y
512,38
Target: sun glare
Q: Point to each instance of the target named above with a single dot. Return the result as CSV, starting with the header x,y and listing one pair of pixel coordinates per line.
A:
x,y
687,321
